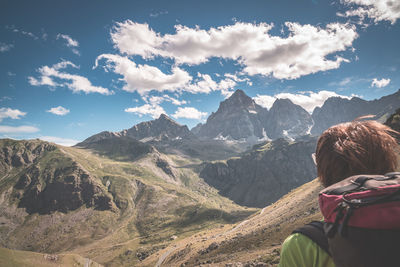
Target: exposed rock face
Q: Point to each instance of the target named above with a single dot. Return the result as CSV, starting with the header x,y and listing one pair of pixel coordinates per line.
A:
x,y
237,117
286,119
46,180
17,154
337,110
266,173
60,189
163,128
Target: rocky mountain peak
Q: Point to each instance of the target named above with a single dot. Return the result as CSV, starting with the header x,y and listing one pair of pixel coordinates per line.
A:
x,y
286,119
163,128
237,117
238,100
164,117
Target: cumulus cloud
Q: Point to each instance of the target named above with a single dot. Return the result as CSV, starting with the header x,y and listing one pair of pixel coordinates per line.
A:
x,y
377,10
17,129
11,113
5,47
205,84
145,78
152,110
54,77
308,100
303,51
73,44
189,113
59,140
61,111
380,83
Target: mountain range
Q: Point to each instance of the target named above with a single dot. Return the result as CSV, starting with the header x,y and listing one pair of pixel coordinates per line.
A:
x,y
240,118
144,195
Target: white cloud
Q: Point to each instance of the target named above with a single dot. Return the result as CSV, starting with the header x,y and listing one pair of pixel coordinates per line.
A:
x,y
18,129
205,84
156,100
380,83
147,109
59,140
73,44
145,78
377,10
61,111
11,113
307,100
5,47
189,113
303,51
26,33
75,83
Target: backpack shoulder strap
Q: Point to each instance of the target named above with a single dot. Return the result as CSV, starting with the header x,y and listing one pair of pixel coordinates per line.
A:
x,y
315,231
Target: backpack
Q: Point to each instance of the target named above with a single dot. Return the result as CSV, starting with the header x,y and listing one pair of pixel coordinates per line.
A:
x,y
361,225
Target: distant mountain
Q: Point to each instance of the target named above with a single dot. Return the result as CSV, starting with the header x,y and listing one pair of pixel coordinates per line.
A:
x,y
265,173
163,128
286,119
239,117
337,110
236,118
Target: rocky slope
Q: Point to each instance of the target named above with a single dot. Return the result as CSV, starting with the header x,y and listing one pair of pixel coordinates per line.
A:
x,y
336,110
286,119
57,199
237,118
265,173
255,241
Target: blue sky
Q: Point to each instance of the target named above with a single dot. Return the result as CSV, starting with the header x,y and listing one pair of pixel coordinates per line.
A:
x,y
70,69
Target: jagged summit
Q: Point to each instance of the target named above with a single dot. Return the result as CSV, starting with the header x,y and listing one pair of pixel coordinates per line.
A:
x,y
164,117
288,120
163,128
237,117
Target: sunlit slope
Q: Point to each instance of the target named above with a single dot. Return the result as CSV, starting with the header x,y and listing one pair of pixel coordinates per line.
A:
x,y
122,211
18,258
254,240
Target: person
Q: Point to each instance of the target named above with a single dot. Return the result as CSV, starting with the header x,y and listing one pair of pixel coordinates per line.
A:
x,y
347,149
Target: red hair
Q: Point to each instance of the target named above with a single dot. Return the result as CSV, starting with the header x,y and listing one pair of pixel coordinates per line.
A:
x,y
358,147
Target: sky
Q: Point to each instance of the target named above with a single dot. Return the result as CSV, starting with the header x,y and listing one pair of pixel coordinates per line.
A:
x,y
71,69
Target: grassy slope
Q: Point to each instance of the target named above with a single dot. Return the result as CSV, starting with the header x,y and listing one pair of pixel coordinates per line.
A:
x,y
257,239
11,258
146,218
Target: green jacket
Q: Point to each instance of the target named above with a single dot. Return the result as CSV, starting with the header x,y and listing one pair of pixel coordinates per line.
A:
x,y
300,251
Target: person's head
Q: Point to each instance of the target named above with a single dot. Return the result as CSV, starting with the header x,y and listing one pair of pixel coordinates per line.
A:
x,y
358,147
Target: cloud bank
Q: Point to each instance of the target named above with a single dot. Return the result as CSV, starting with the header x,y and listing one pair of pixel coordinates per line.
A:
x,y
304,51
17,129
